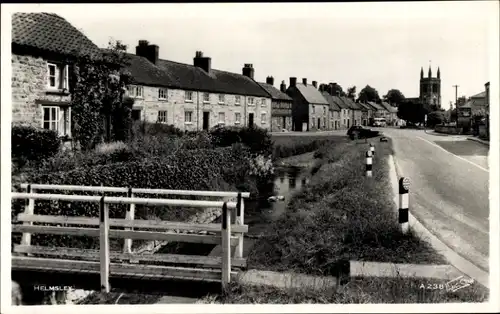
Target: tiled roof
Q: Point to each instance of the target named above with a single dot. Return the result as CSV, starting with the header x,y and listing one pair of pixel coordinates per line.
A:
x,y
388,107
275,93
340,103
50,32
311,94
350,103
331,102
480,95
188,77
375,105
365,106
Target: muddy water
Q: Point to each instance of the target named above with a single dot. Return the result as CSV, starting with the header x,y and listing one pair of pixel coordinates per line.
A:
x,y
259,213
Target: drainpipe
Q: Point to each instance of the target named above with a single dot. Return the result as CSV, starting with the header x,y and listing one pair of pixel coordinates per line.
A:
x,y
198,111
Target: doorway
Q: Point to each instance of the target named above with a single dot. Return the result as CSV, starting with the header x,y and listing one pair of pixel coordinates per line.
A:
x,y
284,123
136,114
206,120
319,123
250,120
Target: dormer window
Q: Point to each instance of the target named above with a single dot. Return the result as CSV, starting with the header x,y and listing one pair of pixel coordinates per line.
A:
x,y
57,78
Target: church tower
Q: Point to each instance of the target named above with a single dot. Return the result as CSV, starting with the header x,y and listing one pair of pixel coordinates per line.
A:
x,y
430,88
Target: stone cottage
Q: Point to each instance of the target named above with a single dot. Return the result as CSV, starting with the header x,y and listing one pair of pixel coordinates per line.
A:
x,y
194,97
281,106
334,110
43,47
310,108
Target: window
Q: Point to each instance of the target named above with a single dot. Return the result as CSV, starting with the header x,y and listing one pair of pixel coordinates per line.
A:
x,y
237,118
135,91
51,118
263,102
57,77
206,97
188,117
188,96
162,116
263,118
57,119
237,100
312,122
162,94
250,101
313,109
221,98
222,118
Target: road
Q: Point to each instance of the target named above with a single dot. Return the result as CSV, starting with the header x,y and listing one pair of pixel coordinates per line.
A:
x,y
449,191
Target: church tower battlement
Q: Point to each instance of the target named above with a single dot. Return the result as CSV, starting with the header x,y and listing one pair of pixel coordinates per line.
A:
x,y
430,88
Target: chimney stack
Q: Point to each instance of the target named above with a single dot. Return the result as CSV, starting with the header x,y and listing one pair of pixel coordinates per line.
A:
x,y
150,52
248,70
304,81
315,84
283,87
270,80
293,81
204,63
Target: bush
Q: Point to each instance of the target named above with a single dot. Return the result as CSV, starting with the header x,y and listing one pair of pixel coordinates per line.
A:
x,y
186,170
143,128
33,144
435,118
256,139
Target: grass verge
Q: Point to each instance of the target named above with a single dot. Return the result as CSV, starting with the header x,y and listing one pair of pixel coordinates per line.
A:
x,y
287,146
357,291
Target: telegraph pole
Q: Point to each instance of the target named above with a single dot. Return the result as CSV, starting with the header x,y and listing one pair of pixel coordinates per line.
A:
x,y
456,100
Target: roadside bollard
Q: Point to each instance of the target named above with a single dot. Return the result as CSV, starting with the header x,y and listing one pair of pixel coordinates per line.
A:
x,y
404,186
372,149
369,164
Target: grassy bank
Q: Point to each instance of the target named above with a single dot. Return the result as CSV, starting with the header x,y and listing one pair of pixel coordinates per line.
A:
x,y
289,145
340,215
357,291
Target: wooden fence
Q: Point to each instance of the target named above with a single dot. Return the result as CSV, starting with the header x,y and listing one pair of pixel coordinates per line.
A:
x,y
227,234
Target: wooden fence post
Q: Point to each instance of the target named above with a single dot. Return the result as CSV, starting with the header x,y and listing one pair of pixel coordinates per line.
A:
x,y
240,212
104,244
226,247
127,245
29,209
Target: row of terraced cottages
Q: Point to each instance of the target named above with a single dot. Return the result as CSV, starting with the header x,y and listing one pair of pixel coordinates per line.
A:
x,y
189,96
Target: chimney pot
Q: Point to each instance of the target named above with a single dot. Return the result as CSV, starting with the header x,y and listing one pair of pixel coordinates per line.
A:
x,y
270,80
204,63
283,86
145,50
304,81
315,84
248,70
293,81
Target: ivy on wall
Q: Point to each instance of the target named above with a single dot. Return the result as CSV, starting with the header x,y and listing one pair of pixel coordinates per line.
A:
x,y
99,110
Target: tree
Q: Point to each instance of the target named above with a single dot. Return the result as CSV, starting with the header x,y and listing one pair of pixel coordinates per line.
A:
x,y
394,96
98,86
436,117
368,93
412,112
351,92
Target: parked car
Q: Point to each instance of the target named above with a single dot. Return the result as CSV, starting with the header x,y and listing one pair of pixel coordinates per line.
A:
x,y
357,131
380,122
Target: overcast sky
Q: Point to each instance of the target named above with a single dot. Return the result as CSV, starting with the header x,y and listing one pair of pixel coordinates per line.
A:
x,y
383,45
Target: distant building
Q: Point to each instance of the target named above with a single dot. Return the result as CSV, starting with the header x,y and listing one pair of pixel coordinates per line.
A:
x,y
334,110
391,113
310,108
430,89
281,106
356,110
194,97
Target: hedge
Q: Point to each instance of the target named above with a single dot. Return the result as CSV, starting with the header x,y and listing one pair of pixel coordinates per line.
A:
x,y
186,170
33,144
256,139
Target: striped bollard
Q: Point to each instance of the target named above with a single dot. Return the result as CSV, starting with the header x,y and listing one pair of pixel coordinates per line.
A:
x,y
372,149
404,185
369,164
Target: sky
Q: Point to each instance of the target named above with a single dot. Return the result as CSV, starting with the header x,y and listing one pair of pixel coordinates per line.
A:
x,y
383,45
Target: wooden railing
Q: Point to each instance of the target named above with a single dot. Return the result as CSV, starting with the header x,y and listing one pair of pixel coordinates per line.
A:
x,y
100,259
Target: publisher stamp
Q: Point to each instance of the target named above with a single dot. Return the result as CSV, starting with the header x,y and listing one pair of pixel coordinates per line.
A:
x,y
450,286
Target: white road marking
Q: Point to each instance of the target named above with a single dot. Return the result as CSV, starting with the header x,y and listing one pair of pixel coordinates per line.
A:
x,y
470,162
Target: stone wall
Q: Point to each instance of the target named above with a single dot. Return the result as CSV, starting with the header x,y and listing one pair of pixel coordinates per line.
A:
x,y
29,83
447,129
176,105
